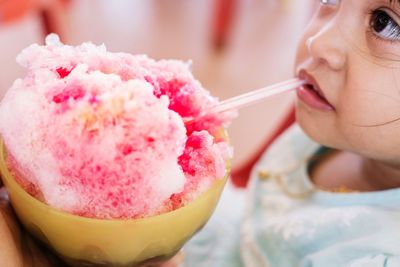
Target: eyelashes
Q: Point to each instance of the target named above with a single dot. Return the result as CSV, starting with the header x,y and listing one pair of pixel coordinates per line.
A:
x,y
383,25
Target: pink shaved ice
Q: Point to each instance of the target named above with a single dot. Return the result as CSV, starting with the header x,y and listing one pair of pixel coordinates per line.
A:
x,y
103,135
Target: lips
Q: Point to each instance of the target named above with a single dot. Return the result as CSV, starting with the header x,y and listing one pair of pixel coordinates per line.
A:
x,y
311,94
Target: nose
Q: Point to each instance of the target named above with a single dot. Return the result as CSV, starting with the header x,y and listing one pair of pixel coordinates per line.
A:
x,y
327,46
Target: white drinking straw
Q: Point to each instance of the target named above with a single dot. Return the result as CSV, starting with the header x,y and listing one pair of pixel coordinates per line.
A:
x,y
255,96
249,98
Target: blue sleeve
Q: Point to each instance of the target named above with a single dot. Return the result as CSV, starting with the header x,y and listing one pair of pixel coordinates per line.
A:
x,y
381,260
218,243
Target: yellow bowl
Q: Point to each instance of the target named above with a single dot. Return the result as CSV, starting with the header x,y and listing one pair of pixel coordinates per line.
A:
x,y
84,241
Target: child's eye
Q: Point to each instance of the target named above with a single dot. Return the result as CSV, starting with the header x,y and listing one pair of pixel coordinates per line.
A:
x,y
384,26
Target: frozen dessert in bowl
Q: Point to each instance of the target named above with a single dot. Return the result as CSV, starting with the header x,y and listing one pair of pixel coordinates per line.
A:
x,y
109,158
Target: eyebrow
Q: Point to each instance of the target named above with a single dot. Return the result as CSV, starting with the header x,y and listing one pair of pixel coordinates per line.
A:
x,y
391,1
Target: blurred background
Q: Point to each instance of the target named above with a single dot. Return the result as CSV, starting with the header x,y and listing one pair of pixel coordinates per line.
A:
x,y
234,45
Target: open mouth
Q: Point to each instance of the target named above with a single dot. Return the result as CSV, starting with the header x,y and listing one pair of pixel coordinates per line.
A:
x,y
312,95
314,90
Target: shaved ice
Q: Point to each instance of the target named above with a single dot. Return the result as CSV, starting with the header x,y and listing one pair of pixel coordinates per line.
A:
x,y
105,135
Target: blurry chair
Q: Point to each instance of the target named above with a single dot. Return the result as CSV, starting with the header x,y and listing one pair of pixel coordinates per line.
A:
x,y
51,13
14,9
222,22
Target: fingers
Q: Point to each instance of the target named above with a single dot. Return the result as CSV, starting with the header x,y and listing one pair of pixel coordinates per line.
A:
x,y
37,254
10,249
3,195
7,215
17,247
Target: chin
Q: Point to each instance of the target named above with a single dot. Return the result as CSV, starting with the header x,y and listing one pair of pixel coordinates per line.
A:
x,y
316,126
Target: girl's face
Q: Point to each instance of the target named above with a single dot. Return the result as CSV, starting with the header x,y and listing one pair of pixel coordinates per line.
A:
x,y
350,55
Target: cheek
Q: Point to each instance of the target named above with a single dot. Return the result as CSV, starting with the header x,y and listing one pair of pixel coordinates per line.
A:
x,y
367,104
368,113
380,143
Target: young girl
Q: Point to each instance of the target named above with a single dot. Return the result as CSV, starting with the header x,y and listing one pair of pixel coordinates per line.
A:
x,y
327,193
